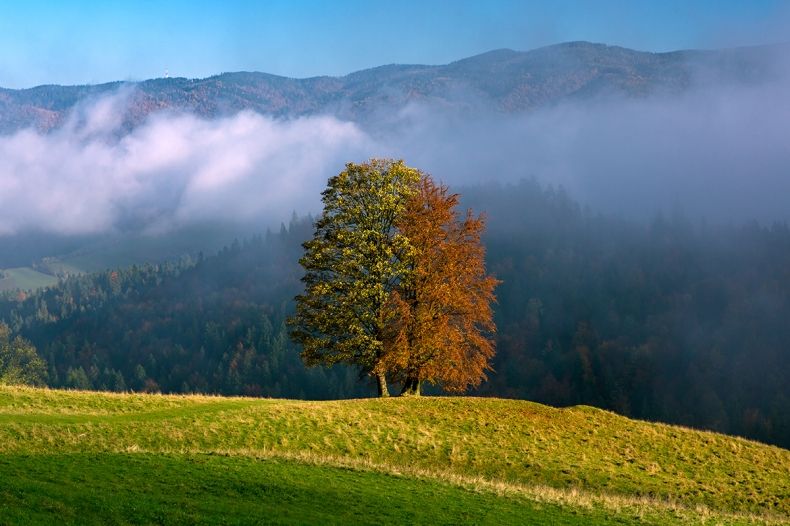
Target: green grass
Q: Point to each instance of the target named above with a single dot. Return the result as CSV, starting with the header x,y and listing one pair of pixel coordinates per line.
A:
x,y
192,489
95,457
25,278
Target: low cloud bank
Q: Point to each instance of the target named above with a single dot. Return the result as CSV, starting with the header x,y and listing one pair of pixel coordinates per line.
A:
x,y
176,169
720,151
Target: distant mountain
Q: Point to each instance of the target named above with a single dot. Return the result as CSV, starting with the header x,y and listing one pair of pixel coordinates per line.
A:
x,y
510,81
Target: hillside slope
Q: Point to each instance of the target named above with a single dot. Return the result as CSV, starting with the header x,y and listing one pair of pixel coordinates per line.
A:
x,y
637,319
69,454
508,80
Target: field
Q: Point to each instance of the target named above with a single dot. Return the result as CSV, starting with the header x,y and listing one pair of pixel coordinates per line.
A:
x,y
82,458
25,278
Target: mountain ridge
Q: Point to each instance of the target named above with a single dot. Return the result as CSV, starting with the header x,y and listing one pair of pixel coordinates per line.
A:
x,y
506,80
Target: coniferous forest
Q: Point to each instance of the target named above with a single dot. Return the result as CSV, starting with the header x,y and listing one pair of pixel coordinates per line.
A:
x,y
671,319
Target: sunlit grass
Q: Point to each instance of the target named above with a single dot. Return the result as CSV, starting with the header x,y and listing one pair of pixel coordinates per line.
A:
x,y
577,458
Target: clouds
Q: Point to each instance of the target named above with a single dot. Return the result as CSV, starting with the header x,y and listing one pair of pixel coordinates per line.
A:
x,y
173,170
720,150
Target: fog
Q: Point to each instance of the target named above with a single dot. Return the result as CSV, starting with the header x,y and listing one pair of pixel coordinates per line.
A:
x,y
719,151
722,153
176,169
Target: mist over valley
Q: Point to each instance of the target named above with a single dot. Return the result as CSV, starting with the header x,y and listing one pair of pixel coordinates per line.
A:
x,y
626,132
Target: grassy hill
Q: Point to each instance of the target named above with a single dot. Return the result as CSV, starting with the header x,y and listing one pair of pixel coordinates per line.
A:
x,y
80,457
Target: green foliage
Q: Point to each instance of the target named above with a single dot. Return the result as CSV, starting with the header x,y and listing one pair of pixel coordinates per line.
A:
x,y
19,363
210,324
351,264
77,379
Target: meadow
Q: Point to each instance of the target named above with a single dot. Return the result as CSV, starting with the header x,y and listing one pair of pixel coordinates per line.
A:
x,y
25,278
84,457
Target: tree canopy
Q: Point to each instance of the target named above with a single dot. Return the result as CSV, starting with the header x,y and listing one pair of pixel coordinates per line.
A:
x,y
352,264
441,328
19,363
395,282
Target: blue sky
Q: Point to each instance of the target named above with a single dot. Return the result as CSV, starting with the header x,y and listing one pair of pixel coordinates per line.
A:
x,y
89,41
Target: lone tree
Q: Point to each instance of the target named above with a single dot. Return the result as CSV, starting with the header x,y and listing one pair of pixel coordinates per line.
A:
x,y
19,362
395,282
442,317
352,264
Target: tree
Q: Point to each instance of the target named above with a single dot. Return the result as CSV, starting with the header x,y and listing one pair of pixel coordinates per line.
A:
x,y
19,363
76,378
352,264
441,312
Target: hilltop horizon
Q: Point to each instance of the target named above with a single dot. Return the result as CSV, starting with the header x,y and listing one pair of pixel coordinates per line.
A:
x,y
425,64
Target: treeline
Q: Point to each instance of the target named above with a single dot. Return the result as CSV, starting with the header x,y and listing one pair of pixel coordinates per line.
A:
x,y
212,324
674,320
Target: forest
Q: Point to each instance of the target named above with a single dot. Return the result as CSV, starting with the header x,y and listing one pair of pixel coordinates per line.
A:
x,y
674,319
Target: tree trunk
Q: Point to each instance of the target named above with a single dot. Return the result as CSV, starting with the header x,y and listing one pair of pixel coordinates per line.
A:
x,y
381,383
411,387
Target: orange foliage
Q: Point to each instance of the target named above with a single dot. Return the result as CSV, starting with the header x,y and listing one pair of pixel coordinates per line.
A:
x,y
441,316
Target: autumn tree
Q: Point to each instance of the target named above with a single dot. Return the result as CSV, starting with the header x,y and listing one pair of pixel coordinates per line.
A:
x,y
441,317
352,264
